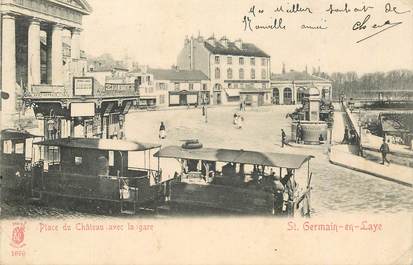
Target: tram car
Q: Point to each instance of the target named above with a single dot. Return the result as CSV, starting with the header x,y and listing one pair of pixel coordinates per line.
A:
x,y
120,174
233,181
16,163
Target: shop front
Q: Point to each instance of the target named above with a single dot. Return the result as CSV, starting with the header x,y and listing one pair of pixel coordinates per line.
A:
x,y
184,98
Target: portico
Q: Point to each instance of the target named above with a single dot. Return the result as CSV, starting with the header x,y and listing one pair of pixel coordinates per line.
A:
x,y
33,36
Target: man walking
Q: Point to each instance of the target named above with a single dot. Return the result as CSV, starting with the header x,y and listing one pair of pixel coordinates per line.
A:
x,y
298,135
345,138
384,150
283,138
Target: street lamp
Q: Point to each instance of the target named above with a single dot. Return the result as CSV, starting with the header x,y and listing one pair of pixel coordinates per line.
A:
x,y
204,107
360,123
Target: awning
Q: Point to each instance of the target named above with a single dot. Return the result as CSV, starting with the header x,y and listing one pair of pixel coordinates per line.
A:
x,y
108,109
147,97
237,156
99,144
127,107
232,92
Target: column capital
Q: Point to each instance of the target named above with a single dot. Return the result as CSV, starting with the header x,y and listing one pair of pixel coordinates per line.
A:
x,y
9,15
58,26
35,21
76,30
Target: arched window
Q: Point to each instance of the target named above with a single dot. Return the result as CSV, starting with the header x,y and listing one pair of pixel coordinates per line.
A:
x,y
241,73
301,91
263,74
217,73
288,96
275,96
252,73
229,73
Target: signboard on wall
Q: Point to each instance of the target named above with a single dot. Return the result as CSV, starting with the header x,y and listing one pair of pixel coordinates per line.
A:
x,y
83,86
82,109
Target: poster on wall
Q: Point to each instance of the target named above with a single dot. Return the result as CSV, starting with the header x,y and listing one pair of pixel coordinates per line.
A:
x,y
82,109
83,86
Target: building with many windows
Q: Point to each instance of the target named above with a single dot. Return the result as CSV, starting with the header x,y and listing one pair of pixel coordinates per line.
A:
x,y
172,87
290,87
238,71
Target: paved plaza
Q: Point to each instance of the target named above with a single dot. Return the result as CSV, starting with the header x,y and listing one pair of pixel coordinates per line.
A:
x,y
335,188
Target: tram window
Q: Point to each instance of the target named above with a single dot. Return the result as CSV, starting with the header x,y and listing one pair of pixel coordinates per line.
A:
x,y
7,147
78,160
19,148
111,159
53,155
29,146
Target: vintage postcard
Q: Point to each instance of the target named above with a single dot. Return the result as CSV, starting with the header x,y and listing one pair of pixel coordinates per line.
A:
x,y
206,132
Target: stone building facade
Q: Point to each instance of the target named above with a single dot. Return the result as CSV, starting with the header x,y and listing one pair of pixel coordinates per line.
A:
x,y
172,87
238,71
40,48
290,87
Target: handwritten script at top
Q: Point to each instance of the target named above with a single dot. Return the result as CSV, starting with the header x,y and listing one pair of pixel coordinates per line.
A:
x,y
278,18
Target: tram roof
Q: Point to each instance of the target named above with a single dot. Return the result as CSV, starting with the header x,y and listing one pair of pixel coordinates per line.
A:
x,y
237,156
99,144
13,134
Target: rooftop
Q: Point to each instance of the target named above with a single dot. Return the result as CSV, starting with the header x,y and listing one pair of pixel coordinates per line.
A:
x,y
296,76
248,49
177,74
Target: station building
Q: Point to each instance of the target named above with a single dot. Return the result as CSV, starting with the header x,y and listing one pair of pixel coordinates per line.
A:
x,y
238,71
290,87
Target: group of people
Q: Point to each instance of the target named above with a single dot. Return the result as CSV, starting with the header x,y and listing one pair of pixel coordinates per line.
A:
x,y
238,120
350,136
283,189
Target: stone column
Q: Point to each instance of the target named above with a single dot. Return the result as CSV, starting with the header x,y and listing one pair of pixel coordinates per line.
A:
x,y
34,72
49,54
8,68
57,55
75,47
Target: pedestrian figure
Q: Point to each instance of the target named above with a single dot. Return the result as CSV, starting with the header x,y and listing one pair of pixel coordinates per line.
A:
x,y
283,138
320,139
345,138
240,120
162,132
240,106
298,135
234,120
384,150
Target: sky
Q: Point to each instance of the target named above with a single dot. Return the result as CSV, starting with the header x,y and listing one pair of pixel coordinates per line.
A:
x,y
152,32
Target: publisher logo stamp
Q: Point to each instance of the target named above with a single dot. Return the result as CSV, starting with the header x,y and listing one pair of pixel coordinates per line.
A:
x,y
17,238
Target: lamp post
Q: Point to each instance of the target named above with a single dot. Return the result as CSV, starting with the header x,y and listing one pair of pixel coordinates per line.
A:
x,y
360,125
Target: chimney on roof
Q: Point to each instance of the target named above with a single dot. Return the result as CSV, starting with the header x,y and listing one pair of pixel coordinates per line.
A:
x,y
186,40
224,41
306,69
238,43
319,70
283,69
211,40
